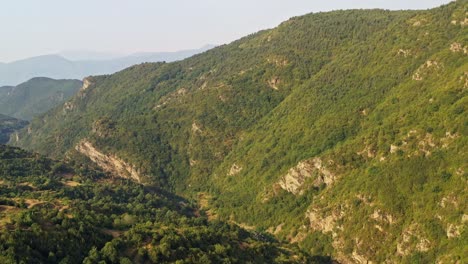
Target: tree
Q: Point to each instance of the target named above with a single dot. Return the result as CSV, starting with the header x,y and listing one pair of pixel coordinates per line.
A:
x,y
110,252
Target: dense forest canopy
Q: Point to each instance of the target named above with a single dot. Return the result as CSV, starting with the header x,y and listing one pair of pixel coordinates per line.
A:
x,y
36,96
53,212
344,133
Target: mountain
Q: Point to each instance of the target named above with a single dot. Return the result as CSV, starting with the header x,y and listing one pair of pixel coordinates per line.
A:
x,y
342,132
8,125
36,96
84,55
55,212
57,67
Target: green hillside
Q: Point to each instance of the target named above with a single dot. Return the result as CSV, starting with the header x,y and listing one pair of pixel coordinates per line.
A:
x,y
8,125
344,132
53,212
36,96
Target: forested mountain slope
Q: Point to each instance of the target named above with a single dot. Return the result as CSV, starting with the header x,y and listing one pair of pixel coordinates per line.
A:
x,y
52,212
343,131
36,96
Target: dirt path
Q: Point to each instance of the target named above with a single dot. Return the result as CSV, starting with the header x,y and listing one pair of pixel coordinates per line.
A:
x,y
71,183
114,233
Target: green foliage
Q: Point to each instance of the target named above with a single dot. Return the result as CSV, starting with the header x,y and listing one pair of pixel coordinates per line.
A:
x,y
8,125
46,219
36,96
378,96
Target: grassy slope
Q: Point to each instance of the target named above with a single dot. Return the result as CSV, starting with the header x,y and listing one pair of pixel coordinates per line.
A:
x,y
345,84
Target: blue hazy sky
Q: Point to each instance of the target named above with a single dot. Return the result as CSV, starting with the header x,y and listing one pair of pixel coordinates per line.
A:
x,y
36,27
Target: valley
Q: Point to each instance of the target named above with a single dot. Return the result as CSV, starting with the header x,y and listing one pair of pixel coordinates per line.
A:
x,y
336,137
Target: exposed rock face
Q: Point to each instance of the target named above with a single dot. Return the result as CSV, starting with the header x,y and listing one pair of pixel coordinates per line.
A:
x,y
103,127
360,259
275,230
454,230
380,216
325,222
173,97
425,69
464,22
458,47
196,128
410,235
417,76
274,82
86,84
325,176
193,162
296,177
426,143
279,61
182,91
404,53
368,152
364,112
417,24
464,80
235,169
71,104
449,201
109,163
68,106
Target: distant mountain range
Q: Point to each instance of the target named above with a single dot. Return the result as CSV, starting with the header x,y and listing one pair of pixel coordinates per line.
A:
x,y
35,96
58,67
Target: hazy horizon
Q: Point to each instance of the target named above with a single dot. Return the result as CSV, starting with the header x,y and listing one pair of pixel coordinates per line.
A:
x,y
91,55
120,27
